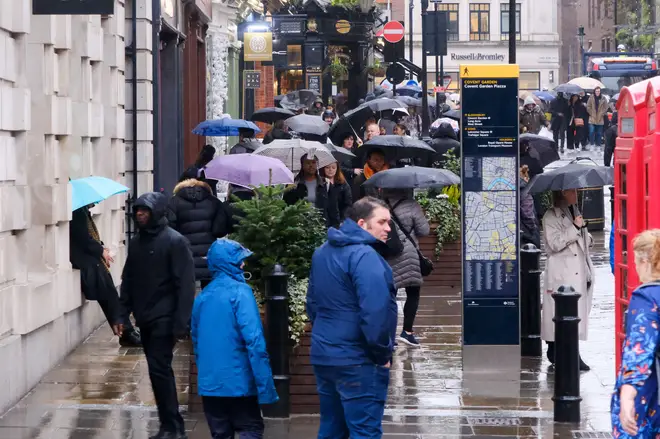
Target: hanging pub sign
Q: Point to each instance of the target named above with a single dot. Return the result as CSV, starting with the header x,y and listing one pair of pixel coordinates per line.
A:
x,y
73,7
258,46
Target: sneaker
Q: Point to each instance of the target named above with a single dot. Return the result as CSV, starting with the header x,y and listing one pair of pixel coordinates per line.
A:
x,y
408,338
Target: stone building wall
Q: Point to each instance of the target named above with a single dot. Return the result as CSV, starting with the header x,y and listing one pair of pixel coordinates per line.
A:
x,y
62,116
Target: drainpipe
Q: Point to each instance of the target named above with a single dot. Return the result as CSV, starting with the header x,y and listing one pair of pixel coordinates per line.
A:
x,y
135,119
155,49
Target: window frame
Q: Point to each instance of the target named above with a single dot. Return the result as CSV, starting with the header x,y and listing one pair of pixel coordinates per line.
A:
x,y
451,8
480,9
504,33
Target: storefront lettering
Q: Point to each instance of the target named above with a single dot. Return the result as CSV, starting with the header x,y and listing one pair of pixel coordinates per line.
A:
x,y
476,56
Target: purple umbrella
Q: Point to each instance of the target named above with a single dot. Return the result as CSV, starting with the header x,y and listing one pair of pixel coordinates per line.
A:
x,y
248,170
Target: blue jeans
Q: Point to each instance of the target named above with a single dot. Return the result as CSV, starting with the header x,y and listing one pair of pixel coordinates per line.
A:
x,y
352,400
595,134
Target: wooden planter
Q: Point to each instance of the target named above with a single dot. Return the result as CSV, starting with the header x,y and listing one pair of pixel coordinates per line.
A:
x,y
446,276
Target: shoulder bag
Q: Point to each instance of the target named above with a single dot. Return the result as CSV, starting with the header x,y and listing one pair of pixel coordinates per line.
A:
x,y
425,264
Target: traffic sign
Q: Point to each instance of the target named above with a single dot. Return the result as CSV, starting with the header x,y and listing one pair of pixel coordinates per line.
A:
x,y
395,73
446,81
393,31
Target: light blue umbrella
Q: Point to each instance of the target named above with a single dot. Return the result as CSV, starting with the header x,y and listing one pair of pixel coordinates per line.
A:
x,y
224,127
91,190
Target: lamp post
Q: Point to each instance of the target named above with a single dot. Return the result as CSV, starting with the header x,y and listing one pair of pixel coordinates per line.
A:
x,y
411,8
581,40
425,95
513,20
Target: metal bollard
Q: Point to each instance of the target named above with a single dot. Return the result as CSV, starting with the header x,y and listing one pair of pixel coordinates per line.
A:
x,y
530,301
277,340
567,355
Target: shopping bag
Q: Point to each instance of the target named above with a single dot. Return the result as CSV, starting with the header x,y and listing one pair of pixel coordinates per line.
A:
x,y
546,133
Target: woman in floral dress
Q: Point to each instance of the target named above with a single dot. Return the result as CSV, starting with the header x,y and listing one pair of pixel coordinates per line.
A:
x,y
635,411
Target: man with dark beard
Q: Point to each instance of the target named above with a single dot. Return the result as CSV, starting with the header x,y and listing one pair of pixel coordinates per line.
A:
x,y
158,286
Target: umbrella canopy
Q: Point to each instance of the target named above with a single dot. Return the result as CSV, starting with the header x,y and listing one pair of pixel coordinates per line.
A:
x,y
290,151
308,124
569,89
410,101
571,176
545,148
224,127
383,104
91,190
413,177
396,147
271,115
451,122
615,97
586,83
338,149
298,99
352,121
545,96
413,91
248,170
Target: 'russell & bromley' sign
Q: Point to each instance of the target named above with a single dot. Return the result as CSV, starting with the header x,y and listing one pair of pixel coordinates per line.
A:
x,y
73,7
476,56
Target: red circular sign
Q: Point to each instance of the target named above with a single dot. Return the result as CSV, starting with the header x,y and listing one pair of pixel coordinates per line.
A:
x,y
393,32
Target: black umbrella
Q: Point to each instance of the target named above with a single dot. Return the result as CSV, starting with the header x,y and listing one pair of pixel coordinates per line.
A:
x,y
545,149
308,124
413,177
452,114
571,176
271,115
569,89
396,147
352,121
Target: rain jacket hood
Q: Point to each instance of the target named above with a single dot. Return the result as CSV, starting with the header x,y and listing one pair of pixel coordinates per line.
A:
x,y
225,257
444,131
156,202
350,234
530,101
193,190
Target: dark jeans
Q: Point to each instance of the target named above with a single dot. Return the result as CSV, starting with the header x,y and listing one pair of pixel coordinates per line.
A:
x,y
227,416
158,342
410,308
352,400
574,139
559,135
596,134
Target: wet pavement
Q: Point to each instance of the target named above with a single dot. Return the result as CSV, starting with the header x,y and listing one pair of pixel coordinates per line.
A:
x,y
102,391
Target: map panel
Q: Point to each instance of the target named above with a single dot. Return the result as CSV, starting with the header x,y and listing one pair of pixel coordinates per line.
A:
x,y
499,174
490,225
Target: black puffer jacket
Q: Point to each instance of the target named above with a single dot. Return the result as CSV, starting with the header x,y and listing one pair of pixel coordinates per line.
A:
x,y
200,218
158,281
340,198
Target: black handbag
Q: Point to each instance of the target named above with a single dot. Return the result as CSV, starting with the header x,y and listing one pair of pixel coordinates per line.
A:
x,y
425,264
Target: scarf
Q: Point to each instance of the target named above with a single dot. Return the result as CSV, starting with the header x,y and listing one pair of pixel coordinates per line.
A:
x,y
368,172
94,233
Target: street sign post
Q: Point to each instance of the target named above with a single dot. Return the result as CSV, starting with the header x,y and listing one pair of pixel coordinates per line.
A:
x,y
490,206
393,32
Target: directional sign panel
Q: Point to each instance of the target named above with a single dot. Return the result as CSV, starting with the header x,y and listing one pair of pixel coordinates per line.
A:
x,y
490,157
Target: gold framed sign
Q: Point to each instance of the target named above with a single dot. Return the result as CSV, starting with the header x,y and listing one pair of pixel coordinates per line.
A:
x,y
258,46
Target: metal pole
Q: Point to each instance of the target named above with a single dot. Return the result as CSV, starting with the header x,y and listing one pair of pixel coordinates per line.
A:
x,y
530,301
134,96
438,79
277,340
411,7
567,356
425,95
512,31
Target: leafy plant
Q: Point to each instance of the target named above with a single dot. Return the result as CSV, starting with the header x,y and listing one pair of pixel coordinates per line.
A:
x,y
638,33
337,68
297,308
278,233
377,69
344,3
445,215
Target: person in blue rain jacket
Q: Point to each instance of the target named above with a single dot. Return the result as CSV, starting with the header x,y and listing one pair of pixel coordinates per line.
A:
x,y
612,248
234,375
634,408
351,302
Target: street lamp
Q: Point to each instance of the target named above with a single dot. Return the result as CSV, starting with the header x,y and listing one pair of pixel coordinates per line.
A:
x,y
581,39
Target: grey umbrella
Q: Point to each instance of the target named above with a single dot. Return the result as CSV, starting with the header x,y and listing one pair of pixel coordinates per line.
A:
x,y
413,177
569,89
384,104
271,115
307,124
571,176
396,147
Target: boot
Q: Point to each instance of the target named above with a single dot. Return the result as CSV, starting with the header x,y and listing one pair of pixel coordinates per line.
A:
x,y
550,353
583,366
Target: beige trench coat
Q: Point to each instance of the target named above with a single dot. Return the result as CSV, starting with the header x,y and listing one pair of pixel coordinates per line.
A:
x,y
568,263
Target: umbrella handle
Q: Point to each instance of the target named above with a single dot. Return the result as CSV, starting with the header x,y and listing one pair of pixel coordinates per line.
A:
x,y
351,125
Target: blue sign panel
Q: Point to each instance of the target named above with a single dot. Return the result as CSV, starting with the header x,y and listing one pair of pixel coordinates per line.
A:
x,y
490,155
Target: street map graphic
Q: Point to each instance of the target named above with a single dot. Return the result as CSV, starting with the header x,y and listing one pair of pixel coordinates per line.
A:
x,y
490,215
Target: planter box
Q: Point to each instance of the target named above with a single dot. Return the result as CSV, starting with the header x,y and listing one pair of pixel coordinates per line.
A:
x,y
446,277
304,397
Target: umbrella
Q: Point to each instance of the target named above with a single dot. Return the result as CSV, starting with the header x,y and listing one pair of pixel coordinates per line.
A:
x,y
615,97
410,101
248,170
91,190
271,115
452,114
352,121
451,122
571,176
413,177
545,148
396,147
297,99
569,89
454,97
308,124
409,91
382,104
545,96
224,127
290,151
586,83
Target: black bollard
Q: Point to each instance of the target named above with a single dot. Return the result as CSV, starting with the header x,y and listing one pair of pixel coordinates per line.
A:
x,y
530,301
567,355
277,340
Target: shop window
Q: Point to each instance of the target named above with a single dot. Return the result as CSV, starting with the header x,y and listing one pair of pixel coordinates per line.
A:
x,y
504,21
294,55
452,19
530,81
479,21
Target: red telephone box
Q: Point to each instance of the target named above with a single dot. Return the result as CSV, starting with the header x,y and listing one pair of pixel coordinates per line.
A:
x,y
651,158
628,197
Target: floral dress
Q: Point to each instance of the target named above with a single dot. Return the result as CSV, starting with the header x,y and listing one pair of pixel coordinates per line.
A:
x,y
638,365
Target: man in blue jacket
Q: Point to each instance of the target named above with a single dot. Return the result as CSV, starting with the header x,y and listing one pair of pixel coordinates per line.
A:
x,y
351,303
